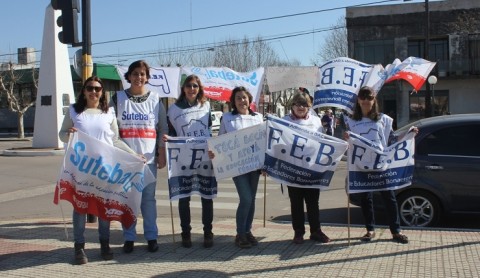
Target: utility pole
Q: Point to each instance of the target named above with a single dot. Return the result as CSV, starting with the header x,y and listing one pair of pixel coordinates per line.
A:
x,y
86,41
428,102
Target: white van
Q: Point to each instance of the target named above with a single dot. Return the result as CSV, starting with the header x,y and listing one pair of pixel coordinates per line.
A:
x,y
216,116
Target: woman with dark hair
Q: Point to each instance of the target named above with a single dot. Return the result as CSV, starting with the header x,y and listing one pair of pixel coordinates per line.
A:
x,y
241,117
91,115
368,122
142,122
299,114
190,117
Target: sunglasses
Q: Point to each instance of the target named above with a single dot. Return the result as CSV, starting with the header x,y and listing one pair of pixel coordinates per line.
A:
x,y
366,97
301,105
191,85
92,88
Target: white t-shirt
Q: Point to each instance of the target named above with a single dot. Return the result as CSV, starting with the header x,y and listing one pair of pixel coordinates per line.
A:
x,y
231,122
191,121
96,125
311,122
378,132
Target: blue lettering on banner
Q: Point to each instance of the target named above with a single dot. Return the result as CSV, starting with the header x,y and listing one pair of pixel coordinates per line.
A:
x,y
226,75
384,180
134,116
103,171
334,97
292,174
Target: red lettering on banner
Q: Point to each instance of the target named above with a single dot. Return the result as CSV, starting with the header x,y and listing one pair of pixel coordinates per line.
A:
x,y
138,133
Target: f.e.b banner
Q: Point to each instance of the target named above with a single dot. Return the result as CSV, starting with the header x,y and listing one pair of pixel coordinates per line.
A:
x,y
189,168
373,168
301,157
99,179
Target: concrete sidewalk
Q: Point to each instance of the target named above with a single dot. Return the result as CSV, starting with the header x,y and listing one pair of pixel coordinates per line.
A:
x,y
39,248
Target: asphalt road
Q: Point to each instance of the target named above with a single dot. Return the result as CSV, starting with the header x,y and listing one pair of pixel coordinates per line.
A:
x,y
27,186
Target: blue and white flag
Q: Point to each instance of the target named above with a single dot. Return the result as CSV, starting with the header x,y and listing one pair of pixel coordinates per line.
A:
x,y
301,157
373,168
190,170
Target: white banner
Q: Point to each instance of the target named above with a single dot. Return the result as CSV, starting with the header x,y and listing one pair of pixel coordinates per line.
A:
x,y
219,82
165,81
238,152
372,168
99,179
282,78
301,157
341,79
189,168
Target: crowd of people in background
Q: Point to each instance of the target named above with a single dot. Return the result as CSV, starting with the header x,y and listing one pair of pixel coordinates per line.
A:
x,y
191,114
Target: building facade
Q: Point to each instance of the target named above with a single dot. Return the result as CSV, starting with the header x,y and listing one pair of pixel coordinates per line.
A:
x,y
379,34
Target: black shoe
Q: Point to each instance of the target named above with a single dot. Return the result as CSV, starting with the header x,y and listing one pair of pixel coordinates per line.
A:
x,y
105,250
208,240
319,236
152,245
128,247
186,240
253,240
400,238
80,256
368,236
242,241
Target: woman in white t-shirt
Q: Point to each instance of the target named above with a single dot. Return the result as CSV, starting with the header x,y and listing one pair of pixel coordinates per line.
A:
x,y
300,105
368,122
241,117
190,116
91,115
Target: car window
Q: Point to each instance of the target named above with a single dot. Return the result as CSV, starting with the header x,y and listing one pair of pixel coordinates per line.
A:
x,y
454,140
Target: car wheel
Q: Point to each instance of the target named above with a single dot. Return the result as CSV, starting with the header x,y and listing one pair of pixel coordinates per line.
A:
x,y
418,208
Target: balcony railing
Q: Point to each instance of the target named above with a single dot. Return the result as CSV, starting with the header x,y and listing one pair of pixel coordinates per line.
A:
x,y
457,68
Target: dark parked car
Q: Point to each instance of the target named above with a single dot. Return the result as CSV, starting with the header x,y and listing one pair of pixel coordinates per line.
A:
x,y
446,179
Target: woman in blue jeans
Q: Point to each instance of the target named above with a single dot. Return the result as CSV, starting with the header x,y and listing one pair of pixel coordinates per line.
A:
x,y
241,117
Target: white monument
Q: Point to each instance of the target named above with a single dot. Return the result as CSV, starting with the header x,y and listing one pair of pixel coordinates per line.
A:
x,y
55,87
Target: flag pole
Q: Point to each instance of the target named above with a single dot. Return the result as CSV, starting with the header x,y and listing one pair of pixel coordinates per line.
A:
x,y
171,217
264,199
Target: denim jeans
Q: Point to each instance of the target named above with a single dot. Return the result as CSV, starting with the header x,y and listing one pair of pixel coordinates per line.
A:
x,y
390,202
310,196
79,228
246,185
148,208
185,218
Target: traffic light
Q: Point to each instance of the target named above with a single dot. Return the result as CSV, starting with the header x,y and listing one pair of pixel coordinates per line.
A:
x,y
68,20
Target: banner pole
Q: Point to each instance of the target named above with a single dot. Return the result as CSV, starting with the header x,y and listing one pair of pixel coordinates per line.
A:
x,y
264,199
348,205
171,217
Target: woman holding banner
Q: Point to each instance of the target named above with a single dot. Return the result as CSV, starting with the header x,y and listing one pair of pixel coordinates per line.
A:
x,y
91,115
142,121
368,122
241,117
190,116
300,105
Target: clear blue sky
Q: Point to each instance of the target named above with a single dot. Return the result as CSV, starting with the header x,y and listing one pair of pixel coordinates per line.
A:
x,y
22,24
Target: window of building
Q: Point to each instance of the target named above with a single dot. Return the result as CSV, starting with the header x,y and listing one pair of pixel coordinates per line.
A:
x,y
438,52
474,53
375,51
440,104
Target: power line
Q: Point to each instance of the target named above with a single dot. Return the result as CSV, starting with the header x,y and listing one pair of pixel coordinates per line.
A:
x,y
242,22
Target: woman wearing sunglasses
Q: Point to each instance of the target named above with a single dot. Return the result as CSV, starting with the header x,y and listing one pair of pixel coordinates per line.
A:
x,y
368,122
299,114
92,115
190,116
